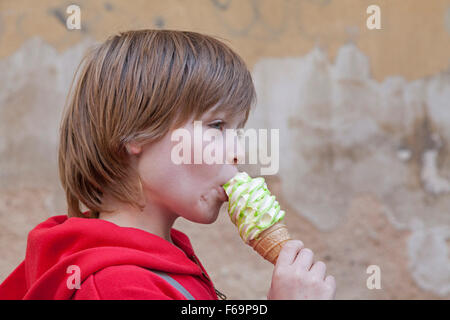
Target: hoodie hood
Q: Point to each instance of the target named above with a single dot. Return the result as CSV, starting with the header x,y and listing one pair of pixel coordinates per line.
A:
x,y
92,245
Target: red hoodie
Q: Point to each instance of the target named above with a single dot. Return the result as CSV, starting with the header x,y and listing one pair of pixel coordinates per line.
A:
x,y
113,262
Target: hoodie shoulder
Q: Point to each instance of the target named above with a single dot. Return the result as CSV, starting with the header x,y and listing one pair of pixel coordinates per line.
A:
x,y
126,282
113,262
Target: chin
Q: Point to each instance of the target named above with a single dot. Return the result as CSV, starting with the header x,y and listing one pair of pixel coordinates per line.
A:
x,y
208,216
207,209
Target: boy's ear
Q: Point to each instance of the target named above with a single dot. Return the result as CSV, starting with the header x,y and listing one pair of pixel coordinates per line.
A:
x,y
133,148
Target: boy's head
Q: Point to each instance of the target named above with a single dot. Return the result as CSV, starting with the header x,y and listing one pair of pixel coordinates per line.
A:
x,y
131,92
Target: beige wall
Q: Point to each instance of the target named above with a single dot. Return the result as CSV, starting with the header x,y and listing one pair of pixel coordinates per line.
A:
x,y
363,118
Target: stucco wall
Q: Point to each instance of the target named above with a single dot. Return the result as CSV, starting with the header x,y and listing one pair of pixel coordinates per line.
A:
x,y
363,116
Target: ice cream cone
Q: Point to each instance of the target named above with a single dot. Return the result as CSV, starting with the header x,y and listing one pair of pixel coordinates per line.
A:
x,y
270,241
257,215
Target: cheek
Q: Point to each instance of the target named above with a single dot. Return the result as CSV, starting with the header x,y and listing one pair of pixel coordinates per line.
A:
x,y
186,189
192,202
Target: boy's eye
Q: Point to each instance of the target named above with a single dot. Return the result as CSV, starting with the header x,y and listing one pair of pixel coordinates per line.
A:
x,y
217,125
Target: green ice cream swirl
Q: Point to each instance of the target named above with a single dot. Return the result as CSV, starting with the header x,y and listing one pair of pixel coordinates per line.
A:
x,y
251,206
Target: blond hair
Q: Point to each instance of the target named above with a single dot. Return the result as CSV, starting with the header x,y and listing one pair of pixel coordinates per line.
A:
x,y
136,86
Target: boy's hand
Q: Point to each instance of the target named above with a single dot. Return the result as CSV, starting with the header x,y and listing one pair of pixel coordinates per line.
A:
x,y
296,277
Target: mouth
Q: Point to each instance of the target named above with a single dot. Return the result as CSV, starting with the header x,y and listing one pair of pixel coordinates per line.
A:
x,y
222,194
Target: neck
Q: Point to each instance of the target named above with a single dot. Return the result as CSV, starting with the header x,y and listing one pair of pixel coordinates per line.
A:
x,y
153,218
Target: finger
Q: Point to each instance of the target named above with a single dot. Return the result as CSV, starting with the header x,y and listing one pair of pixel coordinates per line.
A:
x,y
304,259
331,283
319,269
289,251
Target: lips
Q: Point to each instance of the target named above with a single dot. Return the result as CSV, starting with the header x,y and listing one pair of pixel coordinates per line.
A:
x,y
222,194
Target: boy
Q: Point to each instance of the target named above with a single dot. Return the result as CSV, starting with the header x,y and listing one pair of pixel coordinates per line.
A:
x,y
115,152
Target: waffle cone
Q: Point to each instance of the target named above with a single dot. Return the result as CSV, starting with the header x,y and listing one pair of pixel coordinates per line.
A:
x,y
270,241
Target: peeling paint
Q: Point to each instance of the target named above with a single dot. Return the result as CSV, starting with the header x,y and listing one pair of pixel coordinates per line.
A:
x,y
430,257
343,134
432,180
34,81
